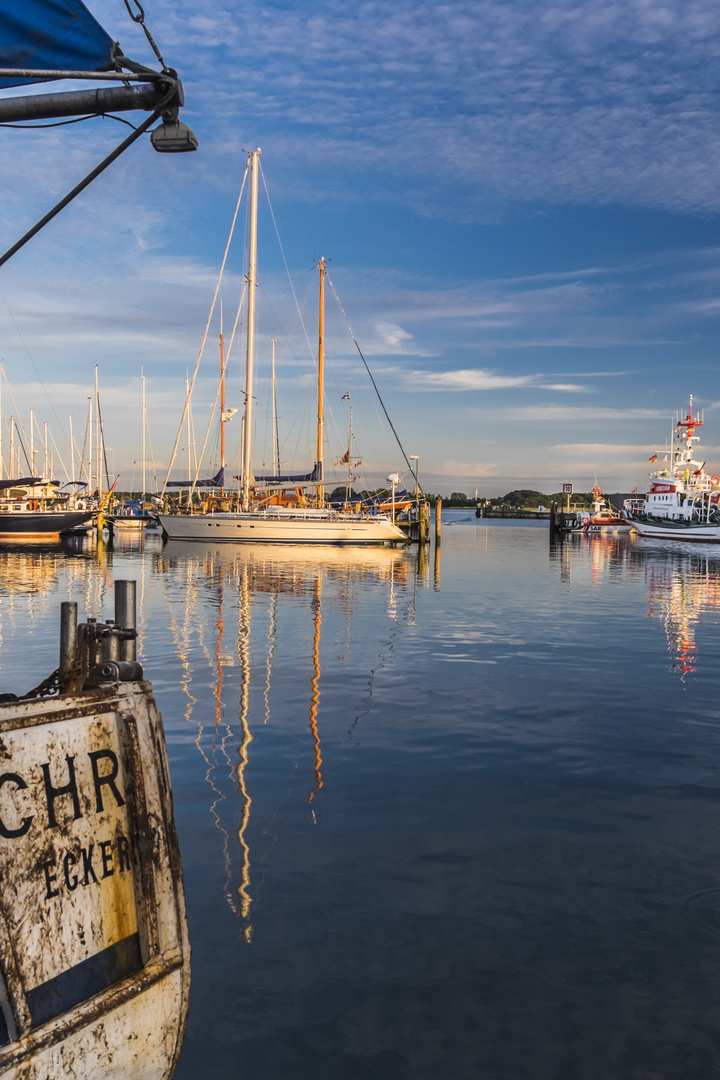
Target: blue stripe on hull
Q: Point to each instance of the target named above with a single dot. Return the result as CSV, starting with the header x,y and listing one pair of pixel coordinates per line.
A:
x,y
81,982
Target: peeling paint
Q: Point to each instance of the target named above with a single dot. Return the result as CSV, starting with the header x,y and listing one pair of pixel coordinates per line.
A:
x,y
91,889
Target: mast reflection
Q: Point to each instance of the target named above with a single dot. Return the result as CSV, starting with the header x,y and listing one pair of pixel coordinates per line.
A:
x,y
278,597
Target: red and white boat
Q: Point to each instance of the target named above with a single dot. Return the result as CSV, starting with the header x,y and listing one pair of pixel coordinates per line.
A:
x,y
602,516
683,502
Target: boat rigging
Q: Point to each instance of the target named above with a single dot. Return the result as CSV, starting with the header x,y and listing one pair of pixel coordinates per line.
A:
x,y
50,40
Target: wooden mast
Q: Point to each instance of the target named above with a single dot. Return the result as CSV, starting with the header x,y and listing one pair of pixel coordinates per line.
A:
x,y
222,406
321,380
275,439
253,157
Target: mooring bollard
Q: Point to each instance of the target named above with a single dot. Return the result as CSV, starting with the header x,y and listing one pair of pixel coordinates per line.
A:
x,y
68,639
125,616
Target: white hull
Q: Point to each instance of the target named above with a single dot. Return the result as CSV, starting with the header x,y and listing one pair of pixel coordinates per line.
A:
x,y
94,949
260,528
131,524
686,533
608,527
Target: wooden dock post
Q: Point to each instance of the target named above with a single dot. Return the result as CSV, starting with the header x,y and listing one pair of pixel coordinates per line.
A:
x,y
424,523
438,520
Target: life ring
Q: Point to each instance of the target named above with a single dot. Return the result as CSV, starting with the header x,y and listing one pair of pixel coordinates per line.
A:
x,y
715,480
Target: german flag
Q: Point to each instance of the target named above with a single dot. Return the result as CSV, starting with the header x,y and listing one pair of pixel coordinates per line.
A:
x,y
653,458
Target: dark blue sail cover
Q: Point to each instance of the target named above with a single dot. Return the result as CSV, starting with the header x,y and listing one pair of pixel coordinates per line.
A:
x,y
314,477
58,35
216,481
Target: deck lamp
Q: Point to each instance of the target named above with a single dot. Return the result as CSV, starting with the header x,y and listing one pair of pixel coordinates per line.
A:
x,y
173,137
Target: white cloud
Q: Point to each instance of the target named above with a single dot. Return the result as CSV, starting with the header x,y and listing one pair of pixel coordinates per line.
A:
x,y
576,415
468,469
481,379
467,380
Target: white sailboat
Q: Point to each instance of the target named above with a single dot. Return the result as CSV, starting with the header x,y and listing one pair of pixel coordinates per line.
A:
x,y
131,515
269,523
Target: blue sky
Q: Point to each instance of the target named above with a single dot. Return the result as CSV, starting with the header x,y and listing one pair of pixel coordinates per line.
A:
x,y
520,201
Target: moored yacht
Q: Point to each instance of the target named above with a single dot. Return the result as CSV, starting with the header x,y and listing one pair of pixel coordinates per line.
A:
x,y
254,520
34,509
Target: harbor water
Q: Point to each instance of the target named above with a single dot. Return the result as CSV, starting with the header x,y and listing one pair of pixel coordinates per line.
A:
x,y
448,814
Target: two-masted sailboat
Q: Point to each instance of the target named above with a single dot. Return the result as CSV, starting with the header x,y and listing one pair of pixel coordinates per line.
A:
x,y
263,523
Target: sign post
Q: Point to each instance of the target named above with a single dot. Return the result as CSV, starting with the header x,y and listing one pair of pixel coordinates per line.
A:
x,y
567,490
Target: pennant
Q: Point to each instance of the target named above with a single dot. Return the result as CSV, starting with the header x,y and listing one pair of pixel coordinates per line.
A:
x,y
345,397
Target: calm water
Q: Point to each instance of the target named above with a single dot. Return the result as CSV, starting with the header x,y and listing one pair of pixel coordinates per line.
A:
x,y
441,818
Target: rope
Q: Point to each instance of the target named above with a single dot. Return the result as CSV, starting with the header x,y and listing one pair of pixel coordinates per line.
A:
x,y
387,415
140,19
91,176
207,330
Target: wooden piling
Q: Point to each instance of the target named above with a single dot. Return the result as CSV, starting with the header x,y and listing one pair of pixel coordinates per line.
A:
x,y
438,520
424,523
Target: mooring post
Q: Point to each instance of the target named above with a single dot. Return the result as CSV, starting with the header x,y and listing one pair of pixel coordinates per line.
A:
x,y
424,523
553,517
68,639
438,520
125,616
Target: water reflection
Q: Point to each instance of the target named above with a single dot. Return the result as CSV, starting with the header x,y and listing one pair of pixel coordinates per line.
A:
x,y
682,588
682,582
247,626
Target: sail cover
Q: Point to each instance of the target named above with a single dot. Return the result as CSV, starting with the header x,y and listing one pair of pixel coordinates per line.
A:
x,y
314,477
24,481
58,35
216,481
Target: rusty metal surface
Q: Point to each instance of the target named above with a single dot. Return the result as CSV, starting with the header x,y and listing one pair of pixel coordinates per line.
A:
x,y
89,862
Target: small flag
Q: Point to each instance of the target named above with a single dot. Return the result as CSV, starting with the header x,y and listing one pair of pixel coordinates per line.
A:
x,y
653,458
345,397
634,491
358,463
346,457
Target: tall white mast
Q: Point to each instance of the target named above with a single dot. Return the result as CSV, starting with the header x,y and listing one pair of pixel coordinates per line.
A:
x,y
98,462
32,443
72,452
252,284
89,438
223,414
275,443
321,381
142,379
